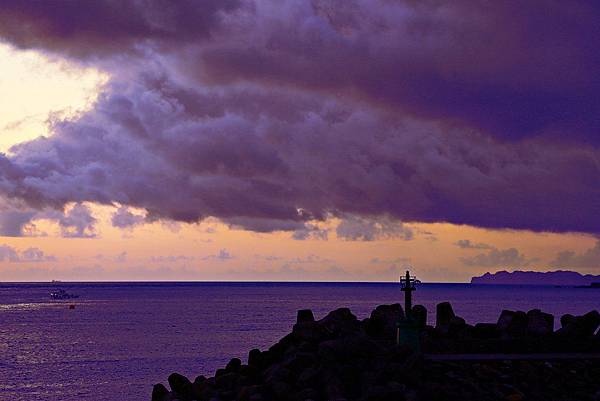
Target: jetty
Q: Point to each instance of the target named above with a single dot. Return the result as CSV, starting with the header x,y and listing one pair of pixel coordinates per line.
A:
x,y
519,357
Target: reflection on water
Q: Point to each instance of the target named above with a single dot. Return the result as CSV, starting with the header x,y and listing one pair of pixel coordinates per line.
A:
x,y
122,338
31,306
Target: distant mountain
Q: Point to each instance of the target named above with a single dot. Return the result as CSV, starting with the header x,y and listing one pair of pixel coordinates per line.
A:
x,y
559,277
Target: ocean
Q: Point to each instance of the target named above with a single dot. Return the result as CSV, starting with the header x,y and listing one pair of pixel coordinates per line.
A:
x,y
122,338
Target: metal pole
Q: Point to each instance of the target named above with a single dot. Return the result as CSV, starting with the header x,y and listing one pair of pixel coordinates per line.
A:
x,y
408,296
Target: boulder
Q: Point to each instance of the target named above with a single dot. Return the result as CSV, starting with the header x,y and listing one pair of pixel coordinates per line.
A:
x,y
277,372
590,322
512,324
226,381
419,313
504,320
234,365
340,321
566,319
181,386
247,392
279,390
255,358
383,320
201,388
309,378
310,331
486,331
277,350
580,326
539,323
392,391
444,313
305,315
306,394
347,349
160,393
333,390
300,361
456,325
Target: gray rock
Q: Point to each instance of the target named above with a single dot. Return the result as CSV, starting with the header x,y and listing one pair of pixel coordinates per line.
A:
x,y
181,386
456,325
347,349
255,358
234,365
580,326
504,320
277,372
280,390
310,331
247,392
300,361
340,321
590,322
419,313
383,320
305,315
306,394
444,313
160,393
310,377
566,319
539,323
226,381
485,331
512,324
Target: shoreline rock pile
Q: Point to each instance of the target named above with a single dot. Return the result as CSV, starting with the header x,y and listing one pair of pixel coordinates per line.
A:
x,y
341,358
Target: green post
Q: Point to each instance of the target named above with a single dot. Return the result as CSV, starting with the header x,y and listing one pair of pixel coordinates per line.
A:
x,y
408,328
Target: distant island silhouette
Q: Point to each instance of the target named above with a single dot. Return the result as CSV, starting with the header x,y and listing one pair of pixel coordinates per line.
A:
x,y
558,277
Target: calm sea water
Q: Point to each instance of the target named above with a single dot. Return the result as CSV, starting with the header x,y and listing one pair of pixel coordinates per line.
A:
x,y
121,338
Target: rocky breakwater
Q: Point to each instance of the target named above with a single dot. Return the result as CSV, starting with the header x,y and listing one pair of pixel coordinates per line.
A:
x,y
342,358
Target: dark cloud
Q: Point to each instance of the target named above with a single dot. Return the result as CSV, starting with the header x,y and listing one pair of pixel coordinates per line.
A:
x,y
76,222
468,244
222,256
272,114
141,146
510,257
401,260
13,222
123,218
311,231
590,258
108,26
511,69
355,228
171,259
10,254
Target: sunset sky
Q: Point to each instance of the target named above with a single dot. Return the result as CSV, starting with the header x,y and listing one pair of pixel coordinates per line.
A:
x,y
298,140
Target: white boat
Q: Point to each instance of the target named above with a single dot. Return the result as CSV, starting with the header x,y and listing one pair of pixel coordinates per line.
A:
x,y
62,294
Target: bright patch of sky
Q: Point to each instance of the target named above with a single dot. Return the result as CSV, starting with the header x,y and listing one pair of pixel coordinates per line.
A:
x,y
34,86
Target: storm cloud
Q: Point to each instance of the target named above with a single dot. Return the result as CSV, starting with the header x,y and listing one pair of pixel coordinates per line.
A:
x,y
268,115
10,254
510,257
590,258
